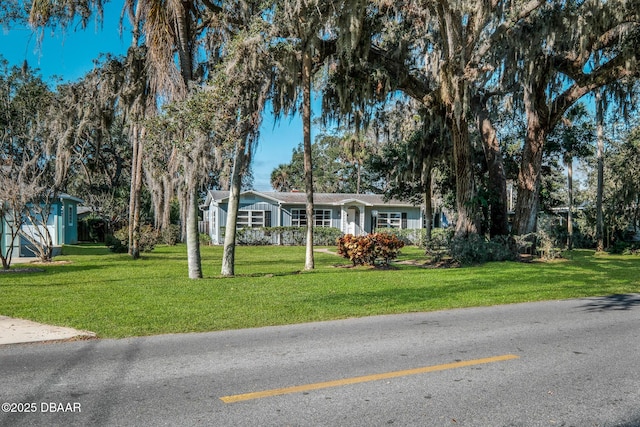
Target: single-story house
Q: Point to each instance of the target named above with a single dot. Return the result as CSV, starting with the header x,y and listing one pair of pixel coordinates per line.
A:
x,y
62,224
350,213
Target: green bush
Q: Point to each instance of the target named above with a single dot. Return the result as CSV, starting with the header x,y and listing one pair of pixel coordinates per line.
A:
x,y
625,248
205,239
476,249
365,250
171,235
546,246
115,244
469,250
289,236
439,246
417,237
119,242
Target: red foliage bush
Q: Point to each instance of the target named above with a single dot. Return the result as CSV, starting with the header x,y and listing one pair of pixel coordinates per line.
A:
x,y
365,250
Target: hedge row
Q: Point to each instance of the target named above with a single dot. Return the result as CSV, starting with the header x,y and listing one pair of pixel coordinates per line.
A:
x,y
289,236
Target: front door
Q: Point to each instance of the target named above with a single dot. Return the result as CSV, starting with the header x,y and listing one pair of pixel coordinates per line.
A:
x,y
353,217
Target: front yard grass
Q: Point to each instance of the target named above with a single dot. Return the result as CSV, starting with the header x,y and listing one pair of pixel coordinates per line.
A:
x,y
116,297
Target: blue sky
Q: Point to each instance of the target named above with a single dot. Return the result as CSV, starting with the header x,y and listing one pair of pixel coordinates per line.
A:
x,y
69,55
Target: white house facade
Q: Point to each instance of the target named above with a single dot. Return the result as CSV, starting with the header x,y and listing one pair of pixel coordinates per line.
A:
x,y
350,213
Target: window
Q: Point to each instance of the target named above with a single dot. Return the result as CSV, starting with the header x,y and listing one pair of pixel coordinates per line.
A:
x,y
298,217
70,215
390,220
251,219
322,217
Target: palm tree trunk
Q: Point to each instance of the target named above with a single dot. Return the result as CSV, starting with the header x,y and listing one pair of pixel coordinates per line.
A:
x,y
193,241
600,185
228,255
570,211
136,188
308,165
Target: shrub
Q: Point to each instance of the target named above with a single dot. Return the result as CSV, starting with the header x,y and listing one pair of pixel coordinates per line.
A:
x,y
502,248
625,248
294,236
115,244
469,250
409,236
365,250
547,247
119,242
253,236
205,239
439,245
171,235
476,249
325,236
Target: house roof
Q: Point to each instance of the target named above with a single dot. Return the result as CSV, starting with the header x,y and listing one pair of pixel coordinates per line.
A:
x,y
66,196
300,198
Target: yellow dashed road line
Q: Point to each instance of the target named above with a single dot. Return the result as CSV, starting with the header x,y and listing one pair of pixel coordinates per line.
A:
x,y
363,379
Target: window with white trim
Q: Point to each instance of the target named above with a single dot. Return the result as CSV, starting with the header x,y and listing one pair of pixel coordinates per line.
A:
x,y
321,217
250,219
70,219
389,220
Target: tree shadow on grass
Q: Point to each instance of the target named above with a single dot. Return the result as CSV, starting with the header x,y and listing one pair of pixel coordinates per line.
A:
x,y
613,302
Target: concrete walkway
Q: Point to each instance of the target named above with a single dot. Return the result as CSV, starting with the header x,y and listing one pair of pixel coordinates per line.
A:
x,y
20,331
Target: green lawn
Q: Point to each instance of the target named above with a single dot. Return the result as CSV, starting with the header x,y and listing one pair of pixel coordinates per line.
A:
x,y
115,296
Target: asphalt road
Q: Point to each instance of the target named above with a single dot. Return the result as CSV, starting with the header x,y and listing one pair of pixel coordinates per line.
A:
x,y
569,363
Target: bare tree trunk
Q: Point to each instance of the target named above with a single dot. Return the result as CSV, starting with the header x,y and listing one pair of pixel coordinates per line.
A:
x,y
526,211
600,185
426,188
570,211
167,191
497,180
467,222
308,165
228,255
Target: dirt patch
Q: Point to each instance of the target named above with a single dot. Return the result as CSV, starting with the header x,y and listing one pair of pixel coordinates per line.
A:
x,y
51,263
31,268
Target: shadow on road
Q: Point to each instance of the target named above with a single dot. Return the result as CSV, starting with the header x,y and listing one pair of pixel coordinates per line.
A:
x,y
613,302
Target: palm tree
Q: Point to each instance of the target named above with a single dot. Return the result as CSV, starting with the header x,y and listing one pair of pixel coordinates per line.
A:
x,y
281,178
298,23
575,142
600,179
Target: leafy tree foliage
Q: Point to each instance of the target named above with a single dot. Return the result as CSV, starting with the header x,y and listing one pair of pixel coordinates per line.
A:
x,y
339,166
621,198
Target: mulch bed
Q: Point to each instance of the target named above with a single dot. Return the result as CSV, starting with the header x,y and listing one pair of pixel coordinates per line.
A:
x,y
32,269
